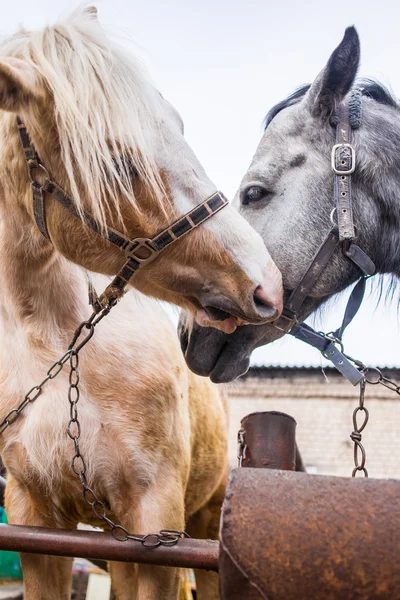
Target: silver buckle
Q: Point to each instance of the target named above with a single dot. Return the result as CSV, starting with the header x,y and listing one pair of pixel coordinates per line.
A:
x,y
137,244
333,159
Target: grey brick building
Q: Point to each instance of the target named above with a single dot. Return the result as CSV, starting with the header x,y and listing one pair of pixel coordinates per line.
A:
x,y
322,404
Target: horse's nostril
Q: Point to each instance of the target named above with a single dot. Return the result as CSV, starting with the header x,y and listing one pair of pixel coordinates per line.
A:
x,y
259,301
267,303
261,298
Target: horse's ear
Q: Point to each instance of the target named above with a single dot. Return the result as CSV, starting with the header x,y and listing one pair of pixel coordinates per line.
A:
x,y
336,79
19,85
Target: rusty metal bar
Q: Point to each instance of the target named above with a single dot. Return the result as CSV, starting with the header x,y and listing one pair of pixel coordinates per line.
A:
x,y
101,564
270,439
288,535
199,554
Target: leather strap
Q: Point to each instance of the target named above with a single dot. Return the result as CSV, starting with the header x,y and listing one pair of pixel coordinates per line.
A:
x,y
296,299
359,258
343,165
31,156
139,251
352,307
39,210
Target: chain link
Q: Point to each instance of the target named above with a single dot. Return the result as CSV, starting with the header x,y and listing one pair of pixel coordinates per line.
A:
x,y
82,335
356,437
166,537
34,393
372,376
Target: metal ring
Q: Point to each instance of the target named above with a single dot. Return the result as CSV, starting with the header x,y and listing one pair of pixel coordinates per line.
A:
x,y
174,532
149,544
38,167
120,537
333,211
372,370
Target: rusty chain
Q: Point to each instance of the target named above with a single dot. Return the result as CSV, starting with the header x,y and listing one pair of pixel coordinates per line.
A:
x,y
356,437
371,375
34,392
165,537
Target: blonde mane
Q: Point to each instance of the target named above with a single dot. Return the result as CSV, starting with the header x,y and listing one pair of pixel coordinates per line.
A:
x,y
106,111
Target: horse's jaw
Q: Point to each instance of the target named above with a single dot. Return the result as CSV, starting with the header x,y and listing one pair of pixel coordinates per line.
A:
x,y
223,357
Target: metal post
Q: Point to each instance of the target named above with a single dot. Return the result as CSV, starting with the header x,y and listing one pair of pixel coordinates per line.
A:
x,y
270,440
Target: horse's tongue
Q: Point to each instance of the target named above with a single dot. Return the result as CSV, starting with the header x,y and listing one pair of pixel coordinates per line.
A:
x,y
227,325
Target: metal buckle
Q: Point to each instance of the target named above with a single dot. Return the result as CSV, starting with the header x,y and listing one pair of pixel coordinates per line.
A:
x,y
147,244
334,340
333,159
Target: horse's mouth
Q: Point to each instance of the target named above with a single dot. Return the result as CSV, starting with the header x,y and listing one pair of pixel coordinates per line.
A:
x,y
228,322
212,353
222,357
210,316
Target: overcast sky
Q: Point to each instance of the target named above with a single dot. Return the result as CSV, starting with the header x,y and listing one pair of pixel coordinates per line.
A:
x,y
223,64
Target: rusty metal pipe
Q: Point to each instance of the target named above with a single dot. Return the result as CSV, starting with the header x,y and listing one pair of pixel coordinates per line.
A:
x,y
270,439
101,564
294,536
199,554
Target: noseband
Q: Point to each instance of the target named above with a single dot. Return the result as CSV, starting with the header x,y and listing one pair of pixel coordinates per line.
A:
x,y
138,251
343,235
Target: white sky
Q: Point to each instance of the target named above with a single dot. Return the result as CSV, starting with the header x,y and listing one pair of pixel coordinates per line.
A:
x,y
223,64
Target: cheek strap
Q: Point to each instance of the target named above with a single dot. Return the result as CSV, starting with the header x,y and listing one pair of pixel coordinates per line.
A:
x,y
138,251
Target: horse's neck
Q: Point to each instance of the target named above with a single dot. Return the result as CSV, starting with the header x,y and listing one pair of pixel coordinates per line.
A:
x,y
42,297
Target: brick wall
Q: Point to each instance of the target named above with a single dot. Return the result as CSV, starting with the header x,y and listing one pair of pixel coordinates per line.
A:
x,y
323,411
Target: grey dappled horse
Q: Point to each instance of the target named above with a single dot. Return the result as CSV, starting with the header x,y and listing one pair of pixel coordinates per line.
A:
x,y
287,196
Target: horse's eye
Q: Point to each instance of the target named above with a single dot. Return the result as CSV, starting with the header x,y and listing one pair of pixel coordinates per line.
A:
x,y
254,194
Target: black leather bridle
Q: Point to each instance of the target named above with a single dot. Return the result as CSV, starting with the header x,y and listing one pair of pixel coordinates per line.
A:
x,y
138,251
343,234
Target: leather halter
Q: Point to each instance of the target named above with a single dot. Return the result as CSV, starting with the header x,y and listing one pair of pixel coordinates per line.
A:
x,y
138,251
343,162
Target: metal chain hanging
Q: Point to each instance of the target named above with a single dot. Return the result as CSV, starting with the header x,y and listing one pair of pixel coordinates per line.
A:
x,y
359,465
372,376
34,393
165,537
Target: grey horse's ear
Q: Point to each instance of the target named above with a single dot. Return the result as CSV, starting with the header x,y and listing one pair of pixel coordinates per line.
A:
x,y
336,79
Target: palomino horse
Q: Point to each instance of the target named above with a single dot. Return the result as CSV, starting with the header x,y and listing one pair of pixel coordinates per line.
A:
x,y
287,194
152,434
